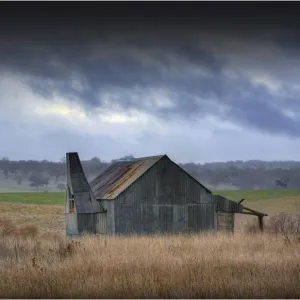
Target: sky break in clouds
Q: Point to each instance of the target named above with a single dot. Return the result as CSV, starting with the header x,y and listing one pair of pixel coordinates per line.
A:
x,y
214,83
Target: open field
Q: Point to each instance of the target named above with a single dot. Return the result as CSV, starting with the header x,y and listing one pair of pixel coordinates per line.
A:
x,y
36,261
26,208
48,218
58,198
55,198
257,195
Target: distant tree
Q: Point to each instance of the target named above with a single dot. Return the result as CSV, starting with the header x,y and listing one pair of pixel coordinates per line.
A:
x,y
13,168
126,157
61,186
57,170
5,172
283,182
38,180
252,174
95,160
5,166
34,184
58,173
19,179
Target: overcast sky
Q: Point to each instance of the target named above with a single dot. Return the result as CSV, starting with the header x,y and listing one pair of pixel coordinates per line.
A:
x,y
201,83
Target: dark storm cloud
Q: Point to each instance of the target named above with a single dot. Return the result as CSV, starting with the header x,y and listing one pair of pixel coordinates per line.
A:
x,y
150,47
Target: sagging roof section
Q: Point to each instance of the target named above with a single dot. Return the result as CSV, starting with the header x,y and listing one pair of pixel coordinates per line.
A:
x,y
227,205
85,201
120,175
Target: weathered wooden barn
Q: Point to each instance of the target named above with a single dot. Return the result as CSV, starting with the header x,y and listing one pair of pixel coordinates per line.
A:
x,y
143,196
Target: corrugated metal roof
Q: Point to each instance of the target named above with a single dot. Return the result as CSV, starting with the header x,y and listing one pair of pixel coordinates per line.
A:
x,y
119,175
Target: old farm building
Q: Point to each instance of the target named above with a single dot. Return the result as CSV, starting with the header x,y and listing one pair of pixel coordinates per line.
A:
x,y
141,196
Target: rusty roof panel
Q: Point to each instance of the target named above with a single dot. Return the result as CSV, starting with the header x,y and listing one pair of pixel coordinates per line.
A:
x,y
119,175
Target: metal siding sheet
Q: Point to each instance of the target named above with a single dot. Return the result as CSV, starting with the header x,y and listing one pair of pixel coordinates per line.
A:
x,y
149,220
101,223
225,221
156,216
71,224
169,217
192,222
180,220
169,192
138,226
226,205
165,218
109,206
162,221
177,187
211,216
67,208
201,217
175,218
85,203
87,223
129,214
137,197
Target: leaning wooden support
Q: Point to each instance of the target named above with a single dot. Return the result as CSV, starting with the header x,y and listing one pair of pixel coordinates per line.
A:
x,y
259,215
261,223
241,201
255,212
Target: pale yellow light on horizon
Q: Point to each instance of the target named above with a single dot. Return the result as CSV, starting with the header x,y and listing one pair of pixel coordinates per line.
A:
x,y
119,118
61,109
75,115
270,83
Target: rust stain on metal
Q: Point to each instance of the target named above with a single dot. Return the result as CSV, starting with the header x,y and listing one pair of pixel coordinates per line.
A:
x,y
122,172
128,174
72,206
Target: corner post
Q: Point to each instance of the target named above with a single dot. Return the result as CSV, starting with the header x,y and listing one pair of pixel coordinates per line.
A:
x,y
261,223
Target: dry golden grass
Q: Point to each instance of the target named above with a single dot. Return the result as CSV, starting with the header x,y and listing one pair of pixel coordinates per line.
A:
x,y
41,265
48,218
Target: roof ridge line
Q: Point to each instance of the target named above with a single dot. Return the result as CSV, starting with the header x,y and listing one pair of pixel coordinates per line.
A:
x,y
141,158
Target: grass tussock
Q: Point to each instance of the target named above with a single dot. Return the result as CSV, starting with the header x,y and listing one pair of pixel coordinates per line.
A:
x,y
183,266
282,224
8,228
